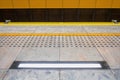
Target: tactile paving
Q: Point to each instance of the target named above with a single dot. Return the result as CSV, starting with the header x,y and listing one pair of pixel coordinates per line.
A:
x,y
59,41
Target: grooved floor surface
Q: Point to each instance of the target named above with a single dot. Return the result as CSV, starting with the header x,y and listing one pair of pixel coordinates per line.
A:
x,y
59,48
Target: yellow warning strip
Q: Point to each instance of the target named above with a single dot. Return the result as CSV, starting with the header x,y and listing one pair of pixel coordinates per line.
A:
x,y
59,34
27,24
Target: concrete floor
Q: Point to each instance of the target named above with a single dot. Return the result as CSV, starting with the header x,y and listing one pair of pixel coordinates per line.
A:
x,y
109,54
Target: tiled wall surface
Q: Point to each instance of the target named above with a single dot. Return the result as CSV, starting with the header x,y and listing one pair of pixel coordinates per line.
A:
x,y
59,3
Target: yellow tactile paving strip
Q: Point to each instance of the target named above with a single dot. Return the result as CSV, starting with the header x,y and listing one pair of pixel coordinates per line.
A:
x,y
59,34
59,23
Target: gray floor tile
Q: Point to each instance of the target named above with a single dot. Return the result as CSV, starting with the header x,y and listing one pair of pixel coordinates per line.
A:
x,y
87,75
32,75
39,54
7,56
2,74
80,54
59,29
117,73
17,29
11,31
111,55
98,29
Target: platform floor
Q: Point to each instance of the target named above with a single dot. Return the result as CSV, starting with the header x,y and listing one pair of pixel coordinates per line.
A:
x,y
59,48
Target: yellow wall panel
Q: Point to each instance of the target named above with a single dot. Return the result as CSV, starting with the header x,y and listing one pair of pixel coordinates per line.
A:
x,y
103,3
37,3
87,4
6,4
70,3
21,3
54,3
116,4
